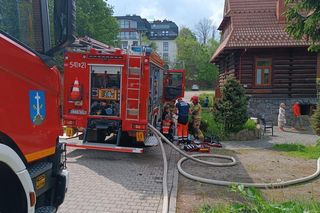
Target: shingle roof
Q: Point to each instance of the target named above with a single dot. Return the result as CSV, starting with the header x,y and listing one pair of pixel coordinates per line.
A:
x,y
254,24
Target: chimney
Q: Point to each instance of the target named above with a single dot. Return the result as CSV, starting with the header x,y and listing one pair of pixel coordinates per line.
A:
x,y
281,7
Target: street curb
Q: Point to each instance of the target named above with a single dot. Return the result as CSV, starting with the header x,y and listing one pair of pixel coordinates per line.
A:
x,y
174,191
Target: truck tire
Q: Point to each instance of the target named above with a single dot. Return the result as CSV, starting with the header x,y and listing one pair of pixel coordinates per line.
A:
x,y
12,195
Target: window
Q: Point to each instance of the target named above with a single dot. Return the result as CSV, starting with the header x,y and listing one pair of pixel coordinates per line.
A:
x,y
124,24
166,57
133,24
121,24
133,35
165,46
22,19
126,35
263,72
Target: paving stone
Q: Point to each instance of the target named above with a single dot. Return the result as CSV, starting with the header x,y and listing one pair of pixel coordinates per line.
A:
x,y
116,182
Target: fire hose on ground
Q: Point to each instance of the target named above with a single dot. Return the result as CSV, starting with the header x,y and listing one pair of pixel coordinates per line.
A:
x,y
232,162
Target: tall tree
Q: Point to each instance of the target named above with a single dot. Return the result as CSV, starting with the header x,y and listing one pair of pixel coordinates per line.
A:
x,y
231,109
94,19
196,56
303,20
207,71
146,42
203,30
188,48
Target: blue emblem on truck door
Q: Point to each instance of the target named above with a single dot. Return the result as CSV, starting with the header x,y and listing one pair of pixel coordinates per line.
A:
x,y
37,106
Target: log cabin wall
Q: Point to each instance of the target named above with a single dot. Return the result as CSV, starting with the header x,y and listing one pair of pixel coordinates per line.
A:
x,y
227,67
293,78
293,73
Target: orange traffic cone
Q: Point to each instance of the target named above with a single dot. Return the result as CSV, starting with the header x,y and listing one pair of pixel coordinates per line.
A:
x,y
75,93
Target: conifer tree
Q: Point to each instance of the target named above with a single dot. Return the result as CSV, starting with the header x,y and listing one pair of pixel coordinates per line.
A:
x,y
231,109
315,120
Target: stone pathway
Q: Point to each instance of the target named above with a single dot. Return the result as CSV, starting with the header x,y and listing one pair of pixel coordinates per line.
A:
x,y
118,182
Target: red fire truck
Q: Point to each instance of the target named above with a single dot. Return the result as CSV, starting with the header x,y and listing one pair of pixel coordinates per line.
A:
x,y
33,176
111,94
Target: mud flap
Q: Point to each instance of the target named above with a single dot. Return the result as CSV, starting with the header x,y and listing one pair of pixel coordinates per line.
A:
x,y
61,186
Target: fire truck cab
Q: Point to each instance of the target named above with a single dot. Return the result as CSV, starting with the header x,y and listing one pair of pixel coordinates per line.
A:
x,y
112,94
33,174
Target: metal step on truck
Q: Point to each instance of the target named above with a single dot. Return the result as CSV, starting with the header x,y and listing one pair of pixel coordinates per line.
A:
x,y
110,95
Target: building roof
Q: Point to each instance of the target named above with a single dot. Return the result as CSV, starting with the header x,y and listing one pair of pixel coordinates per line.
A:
x,y
163,30
156,30
253,24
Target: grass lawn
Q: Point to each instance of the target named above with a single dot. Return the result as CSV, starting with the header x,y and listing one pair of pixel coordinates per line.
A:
x,y
298,150
287,207
254,202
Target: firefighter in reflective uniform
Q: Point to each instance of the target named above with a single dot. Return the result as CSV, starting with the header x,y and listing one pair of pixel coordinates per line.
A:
x,y
196,118
183,118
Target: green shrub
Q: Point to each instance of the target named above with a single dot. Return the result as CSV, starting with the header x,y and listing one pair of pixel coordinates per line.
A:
x,y
231,109
203,96
210,127
250,125
204,125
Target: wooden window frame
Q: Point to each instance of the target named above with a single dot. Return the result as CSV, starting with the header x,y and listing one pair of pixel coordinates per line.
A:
x,y
262,69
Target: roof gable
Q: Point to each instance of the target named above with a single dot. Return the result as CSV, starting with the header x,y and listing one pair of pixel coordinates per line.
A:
x,y
254,24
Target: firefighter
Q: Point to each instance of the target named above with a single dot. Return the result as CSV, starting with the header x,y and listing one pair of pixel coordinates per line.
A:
x,y
183,117
167,123
172,109
196,118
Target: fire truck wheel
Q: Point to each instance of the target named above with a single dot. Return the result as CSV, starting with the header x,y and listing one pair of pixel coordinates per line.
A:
x,y
12,195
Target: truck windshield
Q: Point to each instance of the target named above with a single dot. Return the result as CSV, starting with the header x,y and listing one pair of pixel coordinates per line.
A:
x,y
29,21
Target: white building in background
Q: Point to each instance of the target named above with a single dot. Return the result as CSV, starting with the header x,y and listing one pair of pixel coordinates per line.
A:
x,y
162,33
131,29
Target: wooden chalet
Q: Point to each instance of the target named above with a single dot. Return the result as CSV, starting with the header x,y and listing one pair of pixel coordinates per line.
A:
x,y
272,67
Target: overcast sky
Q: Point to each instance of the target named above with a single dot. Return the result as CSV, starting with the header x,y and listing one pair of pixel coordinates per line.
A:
x,y
182,12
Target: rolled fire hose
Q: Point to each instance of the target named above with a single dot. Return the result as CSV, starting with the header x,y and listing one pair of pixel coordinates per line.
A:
x,y
232,163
